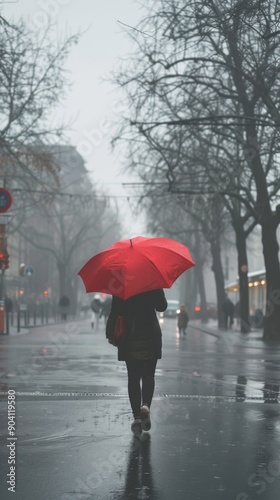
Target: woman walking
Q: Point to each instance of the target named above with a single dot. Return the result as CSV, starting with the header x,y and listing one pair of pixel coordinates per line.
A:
x,y
140,349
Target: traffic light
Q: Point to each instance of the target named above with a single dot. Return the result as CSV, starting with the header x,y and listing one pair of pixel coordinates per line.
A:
x,y
46,293
7,260
4,260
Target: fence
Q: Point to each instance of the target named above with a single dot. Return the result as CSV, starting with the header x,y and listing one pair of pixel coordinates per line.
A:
x,y
30,316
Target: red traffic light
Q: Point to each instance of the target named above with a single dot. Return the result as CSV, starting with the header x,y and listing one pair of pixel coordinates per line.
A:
x,y
46,293
4,260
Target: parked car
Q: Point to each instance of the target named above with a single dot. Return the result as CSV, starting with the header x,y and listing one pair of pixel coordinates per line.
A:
x,y
211,311
173,308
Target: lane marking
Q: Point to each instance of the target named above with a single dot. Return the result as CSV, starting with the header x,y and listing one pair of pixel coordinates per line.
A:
x,y
193,397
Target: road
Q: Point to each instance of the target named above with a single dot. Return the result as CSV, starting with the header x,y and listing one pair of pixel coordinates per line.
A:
x,y
215,419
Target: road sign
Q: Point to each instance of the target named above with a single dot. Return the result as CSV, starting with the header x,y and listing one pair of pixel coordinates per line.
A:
x,y
25,270
28,271
5,200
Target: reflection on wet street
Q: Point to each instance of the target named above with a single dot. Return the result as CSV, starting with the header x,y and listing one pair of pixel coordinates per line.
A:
x,y
139,474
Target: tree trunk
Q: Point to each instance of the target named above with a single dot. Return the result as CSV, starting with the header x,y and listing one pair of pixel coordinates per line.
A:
x,y
243,275
265,216
270,252
62,279
269,223
72,288
217,268
188,291
201,290
200,278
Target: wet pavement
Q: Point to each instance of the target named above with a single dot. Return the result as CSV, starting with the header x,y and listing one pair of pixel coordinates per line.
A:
x,y
215,417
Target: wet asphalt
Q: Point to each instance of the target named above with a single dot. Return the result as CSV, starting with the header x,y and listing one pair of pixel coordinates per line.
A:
x,y
215,418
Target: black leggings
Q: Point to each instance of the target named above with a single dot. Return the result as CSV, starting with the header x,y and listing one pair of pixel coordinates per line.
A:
x,y
137,370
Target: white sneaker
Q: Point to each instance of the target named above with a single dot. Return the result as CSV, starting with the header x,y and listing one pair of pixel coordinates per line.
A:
x,y
145,418
136,426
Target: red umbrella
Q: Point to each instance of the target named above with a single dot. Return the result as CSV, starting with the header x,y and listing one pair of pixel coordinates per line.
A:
x,y
136,265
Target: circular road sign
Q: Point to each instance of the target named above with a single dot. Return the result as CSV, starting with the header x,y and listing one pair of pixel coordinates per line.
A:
x,y
5,200
28,271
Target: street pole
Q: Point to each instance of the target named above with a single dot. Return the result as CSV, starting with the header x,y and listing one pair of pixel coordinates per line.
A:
x,y
5,204
3,247
2,303
2,284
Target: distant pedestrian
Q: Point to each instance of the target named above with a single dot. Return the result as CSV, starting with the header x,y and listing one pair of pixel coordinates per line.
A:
x,y
228,310
9,306
64,304
140,349
182,320
96,308
105,308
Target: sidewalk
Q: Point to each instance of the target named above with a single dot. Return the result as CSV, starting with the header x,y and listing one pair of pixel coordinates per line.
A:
x,y
252,339
23,329
13,331
211,328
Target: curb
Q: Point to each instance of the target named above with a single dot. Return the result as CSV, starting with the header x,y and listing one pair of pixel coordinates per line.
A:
x,y
219,334
205,330
240,340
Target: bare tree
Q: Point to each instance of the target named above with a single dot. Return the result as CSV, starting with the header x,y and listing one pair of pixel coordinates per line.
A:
x,y
32,83
204,215
183,163
70,223
70,234
213,65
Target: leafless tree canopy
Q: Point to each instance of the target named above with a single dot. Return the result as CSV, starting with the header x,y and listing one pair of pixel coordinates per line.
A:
x,y
32,83
203,92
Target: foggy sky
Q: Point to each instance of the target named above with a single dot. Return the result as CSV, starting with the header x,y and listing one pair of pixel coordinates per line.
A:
x,y
92,105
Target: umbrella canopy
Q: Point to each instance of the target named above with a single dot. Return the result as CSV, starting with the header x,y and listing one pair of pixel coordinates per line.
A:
x,y
136,265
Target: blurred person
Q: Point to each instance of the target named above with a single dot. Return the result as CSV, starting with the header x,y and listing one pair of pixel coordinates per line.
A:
x,y
9,305
95,308
228,310
237,311
182,320
140,349
105,308
64,305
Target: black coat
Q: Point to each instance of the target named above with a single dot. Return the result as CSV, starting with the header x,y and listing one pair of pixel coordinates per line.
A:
x,y
228,307
143,333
